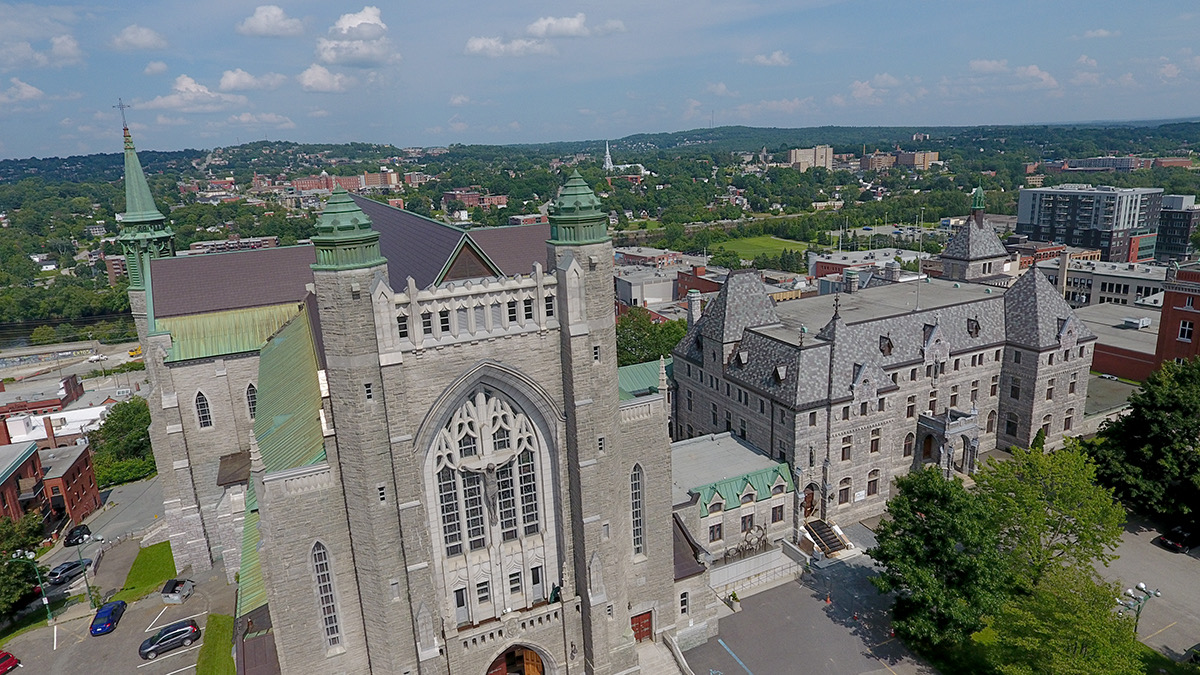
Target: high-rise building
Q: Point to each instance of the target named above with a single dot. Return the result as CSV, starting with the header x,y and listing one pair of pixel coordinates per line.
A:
x,y
1177,222
1121,222
806,158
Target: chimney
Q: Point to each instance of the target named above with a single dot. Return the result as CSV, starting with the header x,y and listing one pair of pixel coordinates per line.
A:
x,y
699,270
693,307
49,431
1064,264
850,280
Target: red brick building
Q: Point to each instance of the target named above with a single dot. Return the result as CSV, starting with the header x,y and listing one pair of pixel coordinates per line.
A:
x,y
1178,339
698,278
21,486
472,198
70,481
70,389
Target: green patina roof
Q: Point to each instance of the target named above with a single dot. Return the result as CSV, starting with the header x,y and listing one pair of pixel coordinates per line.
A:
x,y
731,489
345,239
234,331
575,215
639,379
139,202
287,425
252,591
978,199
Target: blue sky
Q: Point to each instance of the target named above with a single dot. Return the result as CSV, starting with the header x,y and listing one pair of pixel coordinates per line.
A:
x,y
219,72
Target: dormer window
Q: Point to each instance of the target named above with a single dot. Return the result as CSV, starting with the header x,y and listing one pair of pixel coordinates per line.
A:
x,y
778,488
973,327
885,345
748,498
716,506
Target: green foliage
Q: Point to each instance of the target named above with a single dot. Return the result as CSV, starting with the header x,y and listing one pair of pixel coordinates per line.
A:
x,y
43,335
215,657
17,579
122,444
723,258
127,367
152,568
1151,457
1049,510
941,555
1066,626
639,339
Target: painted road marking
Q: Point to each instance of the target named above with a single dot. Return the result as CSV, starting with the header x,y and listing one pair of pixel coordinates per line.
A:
x,y
55,637
1159,630
182,651
181,669
151,626
735,656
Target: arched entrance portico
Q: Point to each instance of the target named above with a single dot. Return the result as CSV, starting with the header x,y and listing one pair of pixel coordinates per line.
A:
x,y
519,660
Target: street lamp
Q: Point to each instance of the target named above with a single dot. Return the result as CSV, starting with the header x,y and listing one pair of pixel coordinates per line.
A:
x,y
1136,601
29,557
79,553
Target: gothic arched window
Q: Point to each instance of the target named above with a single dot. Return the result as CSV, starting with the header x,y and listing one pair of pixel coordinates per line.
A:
x,y
203,414
323,574
251,399
637,505
909,441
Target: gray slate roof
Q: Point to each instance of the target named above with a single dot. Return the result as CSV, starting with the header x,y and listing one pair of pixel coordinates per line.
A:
x,y
726,319
1036,314
974,241
414,246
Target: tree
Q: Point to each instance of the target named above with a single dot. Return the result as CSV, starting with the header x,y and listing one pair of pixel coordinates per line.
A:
x,y
639,339
941,556
1151,457
122,444
43,335
1066,626
1049,510
17,578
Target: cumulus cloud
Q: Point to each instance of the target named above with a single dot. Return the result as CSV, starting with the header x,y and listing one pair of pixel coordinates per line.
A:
x,y
863,92
988,66
567,26
691,108
719,89
456,124
134,37
20,91
262,119
240,80
1084,78
1168,70
1041,78
885,81
357,39
62,51
1126,80
319,78
775,58
1085,60
459,99
189,96
319,113
270,21
495,47
155,68
1101,33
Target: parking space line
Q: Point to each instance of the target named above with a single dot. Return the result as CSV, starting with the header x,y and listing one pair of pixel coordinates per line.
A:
x,y
182,651
55,637
735,656
1159,630
173,672
151,626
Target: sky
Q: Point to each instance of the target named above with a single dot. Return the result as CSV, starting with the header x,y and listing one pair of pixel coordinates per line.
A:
x,y
222,72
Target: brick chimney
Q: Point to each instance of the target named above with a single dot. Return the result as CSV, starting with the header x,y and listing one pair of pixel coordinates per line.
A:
x,y
49,431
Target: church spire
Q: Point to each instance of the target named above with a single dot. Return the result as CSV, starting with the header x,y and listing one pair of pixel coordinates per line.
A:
x,y
608,163
145,234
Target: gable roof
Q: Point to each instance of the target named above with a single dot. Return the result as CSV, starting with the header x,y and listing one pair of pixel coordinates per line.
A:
x,y
639,379
215,282
234,331
974,241
1034,312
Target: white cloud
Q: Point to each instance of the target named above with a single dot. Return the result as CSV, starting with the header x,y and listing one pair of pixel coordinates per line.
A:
x,y
1085,60
989,66
1126,80
719,89
318,78
170,121
495,47
63,51
1101,33
190,96
134,37
263,119
155,68
1169,70
319,113
270,21
357,39
459,99
240,80
456,124
775,58
885,81
1041,78
20,91
863,92
1086,79
691,108
567,26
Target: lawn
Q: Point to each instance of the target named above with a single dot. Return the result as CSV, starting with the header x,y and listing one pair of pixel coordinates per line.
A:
x,y
152,568
750,247
215,656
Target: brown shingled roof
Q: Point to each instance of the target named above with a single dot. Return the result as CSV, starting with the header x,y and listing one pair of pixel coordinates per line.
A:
x,y
216,282
514,248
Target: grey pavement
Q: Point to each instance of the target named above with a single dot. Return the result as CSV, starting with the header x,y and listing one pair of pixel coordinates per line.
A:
x,y
127,508
791,629
1103,394
1169,623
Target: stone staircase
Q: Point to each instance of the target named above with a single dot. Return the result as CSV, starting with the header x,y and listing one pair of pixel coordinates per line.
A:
x,y
655,658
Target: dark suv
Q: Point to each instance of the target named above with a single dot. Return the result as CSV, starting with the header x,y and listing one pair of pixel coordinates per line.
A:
x,y
67,571
178,634
77,535
1179,539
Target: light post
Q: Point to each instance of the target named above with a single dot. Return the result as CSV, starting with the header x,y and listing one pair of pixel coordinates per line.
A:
x,y
29,557
1136,601
79,554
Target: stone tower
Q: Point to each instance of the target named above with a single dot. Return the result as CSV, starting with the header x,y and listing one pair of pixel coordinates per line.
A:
x,y
974,252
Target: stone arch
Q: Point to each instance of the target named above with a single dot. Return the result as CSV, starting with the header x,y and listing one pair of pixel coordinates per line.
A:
x,y
548,666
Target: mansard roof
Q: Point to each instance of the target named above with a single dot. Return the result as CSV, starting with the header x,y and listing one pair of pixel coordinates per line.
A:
x,y
1036,314
974,241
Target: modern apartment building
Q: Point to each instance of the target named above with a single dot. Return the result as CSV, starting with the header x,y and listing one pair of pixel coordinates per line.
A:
x,y
1177,223
1121,222
806,158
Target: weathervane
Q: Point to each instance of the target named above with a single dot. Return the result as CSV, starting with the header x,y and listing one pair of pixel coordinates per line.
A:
x,y
121,106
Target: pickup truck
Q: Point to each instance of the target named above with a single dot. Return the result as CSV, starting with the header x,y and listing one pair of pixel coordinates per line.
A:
x,y
96,358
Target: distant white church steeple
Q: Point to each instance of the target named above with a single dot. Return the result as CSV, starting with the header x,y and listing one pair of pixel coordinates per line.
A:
x,y
608,163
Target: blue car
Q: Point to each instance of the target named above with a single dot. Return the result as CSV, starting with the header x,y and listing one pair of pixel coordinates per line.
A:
x,y
107,617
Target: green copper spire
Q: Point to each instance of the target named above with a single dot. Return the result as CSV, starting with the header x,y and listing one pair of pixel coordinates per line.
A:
x,y
345,240
575,216
145,234
978,199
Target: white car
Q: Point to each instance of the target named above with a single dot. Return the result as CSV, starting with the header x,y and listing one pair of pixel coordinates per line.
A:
x,y
96,358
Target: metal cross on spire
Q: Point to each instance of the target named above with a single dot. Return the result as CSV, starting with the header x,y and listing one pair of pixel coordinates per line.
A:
x,y
122,106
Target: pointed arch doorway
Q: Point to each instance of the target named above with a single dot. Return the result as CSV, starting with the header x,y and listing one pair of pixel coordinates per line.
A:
x,y
518,660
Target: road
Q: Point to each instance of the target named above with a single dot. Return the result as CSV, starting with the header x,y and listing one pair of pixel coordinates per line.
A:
x,y
127,508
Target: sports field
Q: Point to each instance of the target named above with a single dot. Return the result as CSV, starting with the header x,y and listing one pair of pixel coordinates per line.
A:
x,y
750,247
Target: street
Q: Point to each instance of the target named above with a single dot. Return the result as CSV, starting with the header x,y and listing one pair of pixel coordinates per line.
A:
x,y
127,508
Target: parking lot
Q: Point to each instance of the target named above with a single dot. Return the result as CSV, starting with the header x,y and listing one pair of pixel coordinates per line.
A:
x,y
69,648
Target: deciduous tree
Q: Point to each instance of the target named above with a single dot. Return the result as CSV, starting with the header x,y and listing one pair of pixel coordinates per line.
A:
x,y
639,339
17,579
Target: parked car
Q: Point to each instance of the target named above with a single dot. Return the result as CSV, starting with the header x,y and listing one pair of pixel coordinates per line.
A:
x,y
77,535
107,617
178,634
1179,539
8,662
67,571
177,590
136,351
96,358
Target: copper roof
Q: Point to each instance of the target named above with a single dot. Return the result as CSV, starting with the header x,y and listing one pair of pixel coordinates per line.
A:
x,y
216,282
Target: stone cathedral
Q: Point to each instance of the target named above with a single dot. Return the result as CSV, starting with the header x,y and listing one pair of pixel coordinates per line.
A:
x,y
405,442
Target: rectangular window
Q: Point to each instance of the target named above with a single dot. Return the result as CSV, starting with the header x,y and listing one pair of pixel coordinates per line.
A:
x,y
872,486
402,326
689,399
912,375
844,495
777,514
444,320
714,532
846,443
714,414
512,311
514,583
528,309
862,408
1014,391
596,353
600,445
382,491
874,440
954,396
426,323
845,412
880,405
956,362
1050,389
529,500
550,311
370,394
910,407
483,591
1016,356
812,419
683,603
741,427
748,523
932,401
1185,330
1071,384
506,499
728,421
473,498
995,384
448,502
762,407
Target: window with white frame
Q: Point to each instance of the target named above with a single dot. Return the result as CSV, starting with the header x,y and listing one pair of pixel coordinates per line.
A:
x,y
251,399
637,504
326,600
1186,328
203,414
